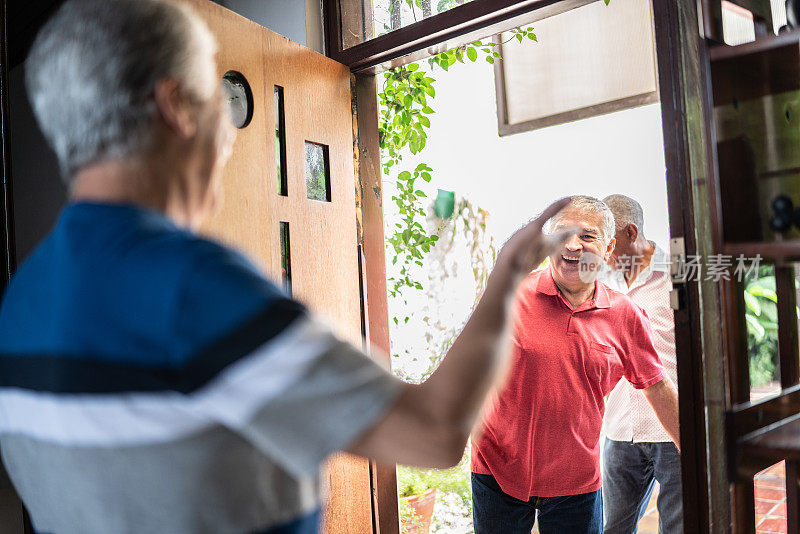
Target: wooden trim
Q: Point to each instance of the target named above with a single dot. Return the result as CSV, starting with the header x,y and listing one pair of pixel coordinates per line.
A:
x,y
711,17
504,127
7,252
462,24
368,182
684,83
744,517
768,446
776,250
711,21
749,417
331,26
749,420
788,348
721,52
733,306
575,114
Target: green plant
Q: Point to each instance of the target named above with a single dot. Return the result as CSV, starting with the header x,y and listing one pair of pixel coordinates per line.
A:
x,y
456,480
761,315
403,123
408,516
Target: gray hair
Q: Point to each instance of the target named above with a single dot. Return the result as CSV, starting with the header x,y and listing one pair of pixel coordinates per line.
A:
x,y
592,205
626,211
92,71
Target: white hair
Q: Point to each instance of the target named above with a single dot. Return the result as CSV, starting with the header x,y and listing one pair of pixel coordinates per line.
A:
x,y
626,211
92,71
589,204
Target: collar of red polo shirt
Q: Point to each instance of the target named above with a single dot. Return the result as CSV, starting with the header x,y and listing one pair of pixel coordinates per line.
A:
x,y
600,299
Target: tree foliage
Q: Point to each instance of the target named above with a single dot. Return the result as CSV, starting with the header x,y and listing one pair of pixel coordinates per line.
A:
x,y
761,316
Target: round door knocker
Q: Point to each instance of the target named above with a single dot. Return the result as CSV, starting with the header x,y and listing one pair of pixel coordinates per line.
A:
x,y
239,98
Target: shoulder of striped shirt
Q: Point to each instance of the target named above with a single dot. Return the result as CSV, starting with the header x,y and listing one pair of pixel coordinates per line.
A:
x,y
227,391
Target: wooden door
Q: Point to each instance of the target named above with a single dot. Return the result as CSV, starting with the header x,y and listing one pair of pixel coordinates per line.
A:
x,y
730,154
322,234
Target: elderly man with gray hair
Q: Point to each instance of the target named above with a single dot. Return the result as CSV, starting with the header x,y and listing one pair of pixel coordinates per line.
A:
x,y
152,380
574,338
638,452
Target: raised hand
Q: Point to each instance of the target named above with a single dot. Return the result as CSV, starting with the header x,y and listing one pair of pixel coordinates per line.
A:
x,y
529,246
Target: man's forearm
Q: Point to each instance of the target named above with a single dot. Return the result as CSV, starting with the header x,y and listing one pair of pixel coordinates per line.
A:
x,y
431,422
663,397
472,365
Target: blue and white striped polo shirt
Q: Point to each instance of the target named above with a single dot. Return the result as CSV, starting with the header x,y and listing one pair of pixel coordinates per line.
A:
x,y
153,381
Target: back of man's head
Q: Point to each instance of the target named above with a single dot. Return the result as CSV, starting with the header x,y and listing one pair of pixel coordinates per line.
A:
x,y
626,211
92,71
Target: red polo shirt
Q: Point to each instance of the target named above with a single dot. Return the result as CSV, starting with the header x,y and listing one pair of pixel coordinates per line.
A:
x,y
542,430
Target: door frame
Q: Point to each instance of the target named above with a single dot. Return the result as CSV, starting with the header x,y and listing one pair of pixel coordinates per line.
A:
x,y
7,247
690,153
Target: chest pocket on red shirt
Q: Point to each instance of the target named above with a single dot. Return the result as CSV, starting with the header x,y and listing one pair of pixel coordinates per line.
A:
x,y
603,366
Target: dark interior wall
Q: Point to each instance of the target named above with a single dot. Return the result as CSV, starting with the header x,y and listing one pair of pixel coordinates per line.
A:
x,y
38,193
286,17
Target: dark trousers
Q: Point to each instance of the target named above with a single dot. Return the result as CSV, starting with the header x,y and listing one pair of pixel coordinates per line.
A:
x,y
495,512
629,472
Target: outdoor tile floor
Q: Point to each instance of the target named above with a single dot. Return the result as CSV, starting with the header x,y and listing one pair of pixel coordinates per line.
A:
x,y
770,484
648,524
770,497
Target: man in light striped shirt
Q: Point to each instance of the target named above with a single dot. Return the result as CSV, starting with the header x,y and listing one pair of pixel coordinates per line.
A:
x,y
638,452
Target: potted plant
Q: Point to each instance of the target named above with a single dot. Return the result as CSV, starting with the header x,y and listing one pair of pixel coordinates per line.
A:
x,y
417,500
418,490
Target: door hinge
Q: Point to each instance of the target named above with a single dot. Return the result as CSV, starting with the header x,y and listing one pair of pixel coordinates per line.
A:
x,y
677,270
677,260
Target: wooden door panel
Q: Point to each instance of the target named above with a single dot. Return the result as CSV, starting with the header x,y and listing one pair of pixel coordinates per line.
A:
x,y
241,221
323,235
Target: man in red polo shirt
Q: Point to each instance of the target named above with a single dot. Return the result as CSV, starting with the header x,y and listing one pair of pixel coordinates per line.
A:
x,y
574,338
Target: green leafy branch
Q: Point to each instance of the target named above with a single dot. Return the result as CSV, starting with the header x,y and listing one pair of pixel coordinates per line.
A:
x,y
490,50
761,317
403,112
404,103
410,239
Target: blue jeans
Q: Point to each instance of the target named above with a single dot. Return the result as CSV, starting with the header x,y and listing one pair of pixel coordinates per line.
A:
x,y
495,512
629,474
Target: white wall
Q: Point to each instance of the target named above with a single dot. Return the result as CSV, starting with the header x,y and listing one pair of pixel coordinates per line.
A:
x,y
515,177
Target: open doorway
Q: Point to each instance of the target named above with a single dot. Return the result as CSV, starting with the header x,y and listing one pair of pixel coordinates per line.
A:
x,y
483,172
693,219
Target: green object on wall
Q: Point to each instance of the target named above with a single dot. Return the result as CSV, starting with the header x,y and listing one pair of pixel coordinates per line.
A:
x,y
444,204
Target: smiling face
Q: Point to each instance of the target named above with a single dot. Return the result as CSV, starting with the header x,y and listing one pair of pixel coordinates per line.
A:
x,y
577,263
